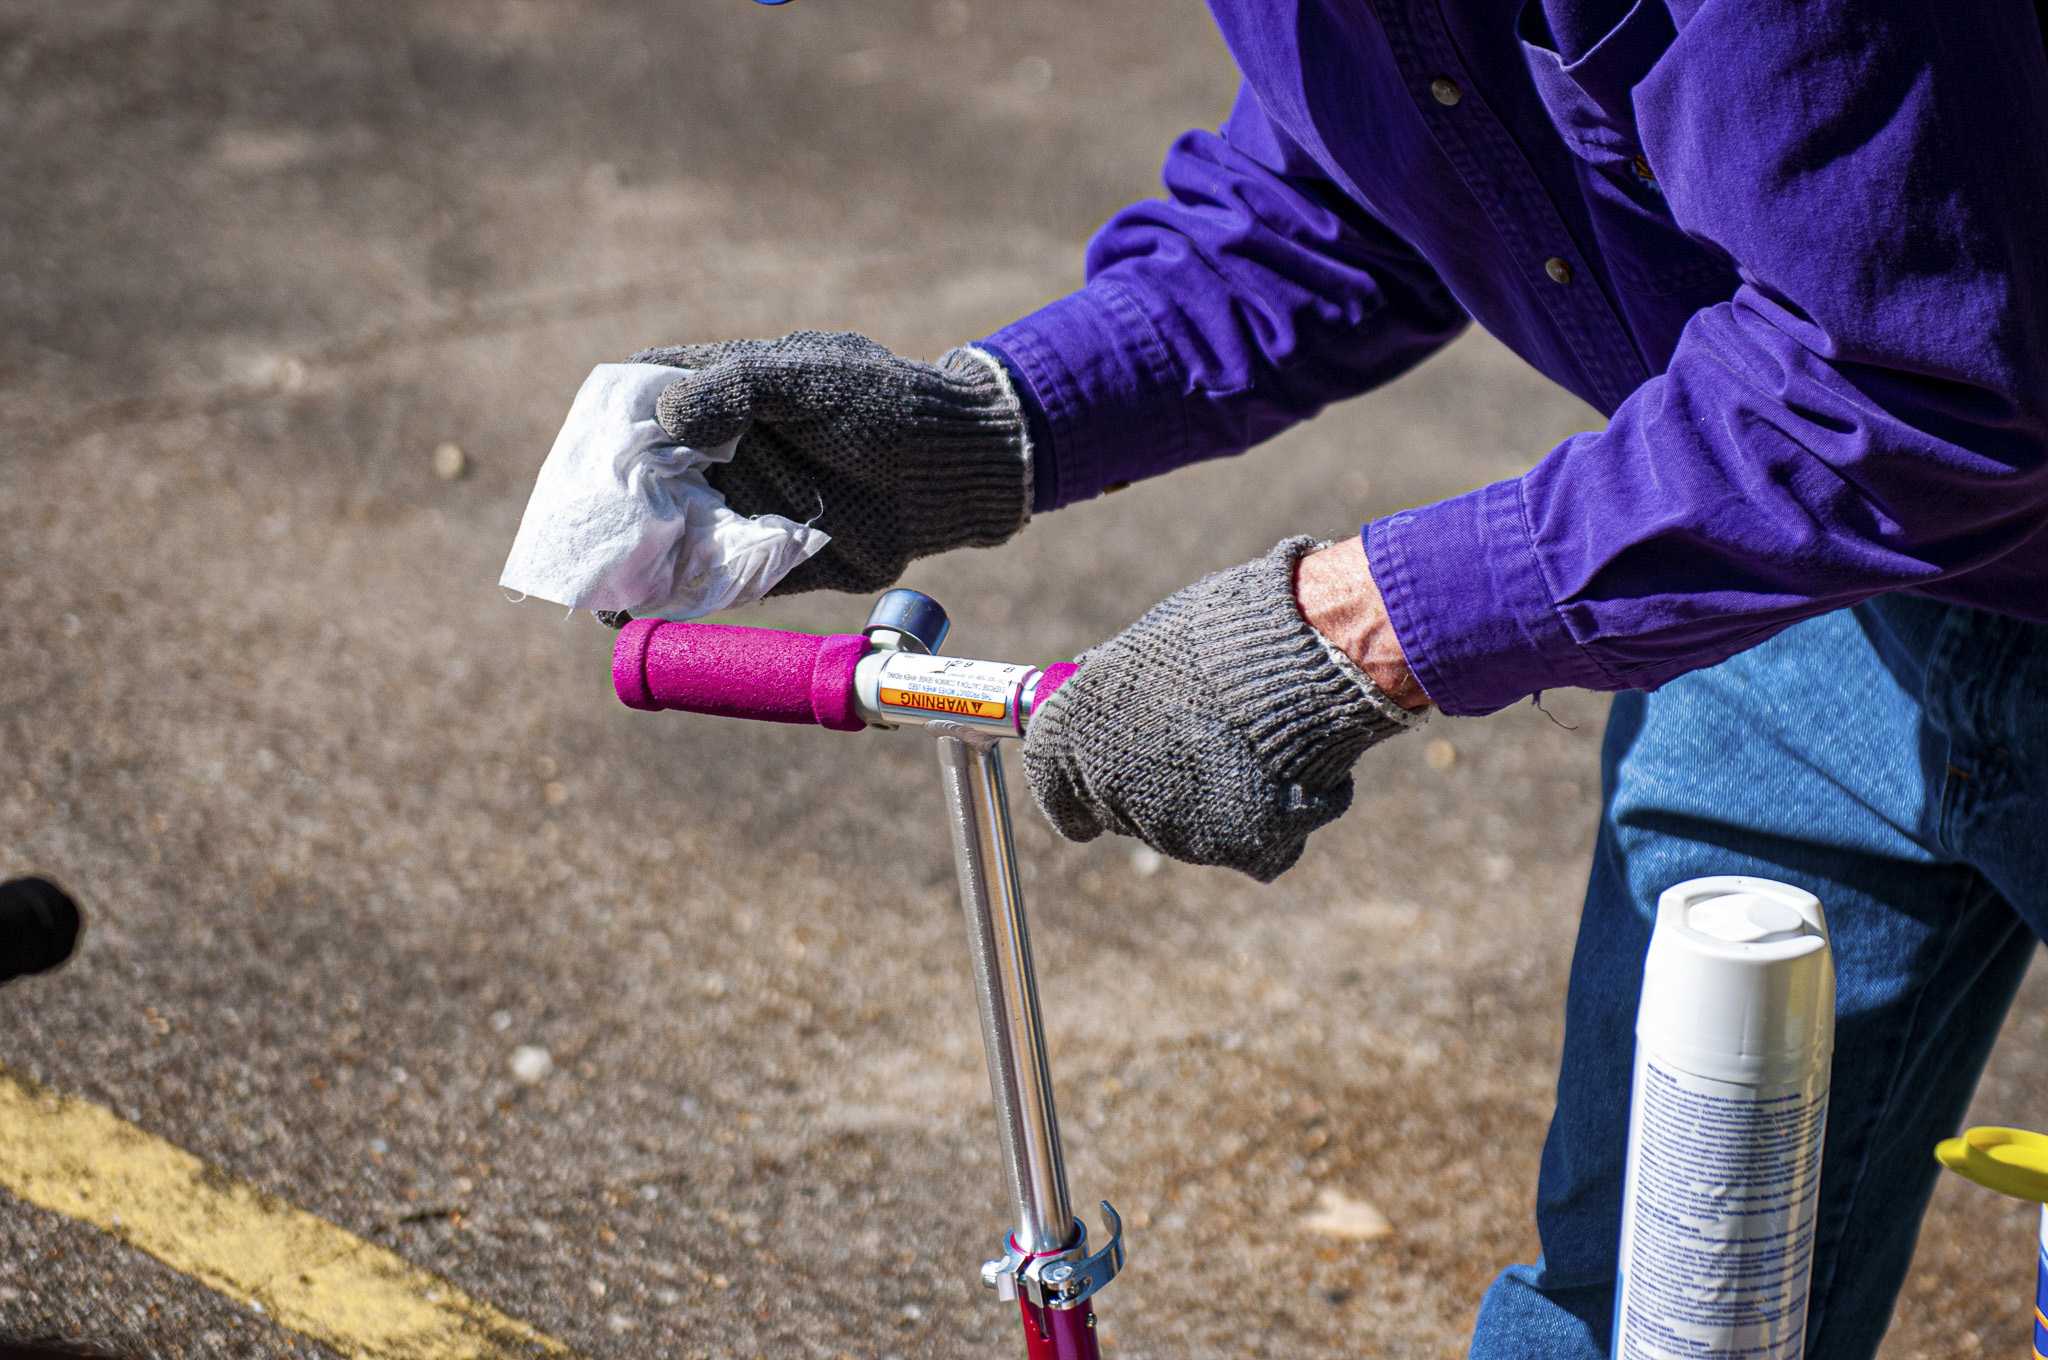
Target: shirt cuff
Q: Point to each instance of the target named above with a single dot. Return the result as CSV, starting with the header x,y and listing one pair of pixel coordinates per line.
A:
x,y
1045,469
1467,598
1099,400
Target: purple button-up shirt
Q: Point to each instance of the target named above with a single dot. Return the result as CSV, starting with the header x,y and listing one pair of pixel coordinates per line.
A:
x,y
1797,252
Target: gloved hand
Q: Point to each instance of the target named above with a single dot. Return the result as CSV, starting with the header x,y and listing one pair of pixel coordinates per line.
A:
x,y
894,458
1220,728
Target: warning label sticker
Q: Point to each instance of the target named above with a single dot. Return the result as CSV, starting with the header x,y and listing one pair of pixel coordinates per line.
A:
x,y
944,703
932,684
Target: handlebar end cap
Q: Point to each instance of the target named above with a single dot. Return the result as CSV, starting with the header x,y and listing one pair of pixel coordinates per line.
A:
x,y
629,666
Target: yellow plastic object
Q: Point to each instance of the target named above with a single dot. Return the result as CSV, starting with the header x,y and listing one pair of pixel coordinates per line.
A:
x,y
2011,1161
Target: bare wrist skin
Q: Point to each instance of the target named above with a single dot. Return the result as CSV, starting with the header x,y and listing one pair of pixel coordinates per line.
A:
x,y
1334,589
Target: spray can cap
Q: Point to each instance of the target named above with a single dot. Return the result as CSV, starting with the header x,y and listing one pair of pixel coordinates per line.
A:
x,y
1747,918
1738,985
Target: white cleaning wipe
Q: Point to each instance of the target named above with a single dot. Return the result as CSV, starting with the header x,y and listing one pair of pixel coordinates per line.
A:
x,y
622,518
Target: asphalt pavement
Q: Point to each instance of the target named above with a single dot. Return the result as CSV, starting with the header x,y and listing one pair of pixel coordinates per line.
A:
x,y
655,1033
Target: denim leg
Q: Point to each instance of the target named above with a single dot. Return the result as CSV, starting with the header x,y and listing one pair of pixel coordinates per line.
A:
x,y
1806,760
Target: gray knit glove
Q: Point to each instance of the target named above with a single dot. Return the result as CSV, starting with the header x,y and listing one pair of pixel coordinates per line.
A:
x,y
1220,728
895,459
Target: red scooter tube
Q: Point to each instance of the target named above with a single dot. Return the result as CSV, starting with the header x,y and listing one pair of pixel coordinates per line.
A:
x,y
1059,1333
760,673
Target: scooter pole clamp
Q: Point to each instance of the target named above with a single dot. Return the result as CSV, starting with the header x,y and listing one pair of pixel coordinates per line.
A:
x,y
1066,1279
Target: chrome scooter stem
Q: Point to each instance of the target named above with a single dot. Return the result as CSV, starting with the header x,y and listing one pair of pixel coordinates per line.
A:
x,y
1047,1265
891,676
1006,988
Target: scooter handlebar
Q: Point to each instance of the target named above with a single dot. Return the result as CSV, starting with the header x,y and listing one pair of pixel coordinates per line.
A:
x,y
770,675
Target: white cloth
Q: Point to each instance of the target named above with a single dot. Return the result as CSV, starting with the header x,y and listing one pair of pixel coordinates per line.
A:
x,y
622,518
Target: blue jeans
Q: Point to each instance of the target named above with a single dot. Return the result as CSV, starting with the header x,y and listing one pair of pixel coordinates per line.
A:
x,y
1892,758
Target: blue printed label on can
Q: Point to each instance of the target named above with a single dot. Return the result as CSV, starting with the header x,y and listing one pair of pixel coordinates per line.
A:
x,y
1719,1216
2041,1295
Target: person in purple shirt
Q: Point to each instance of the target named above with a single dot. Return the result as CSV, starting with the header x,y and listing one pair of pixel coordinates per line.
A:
x,y
1797,254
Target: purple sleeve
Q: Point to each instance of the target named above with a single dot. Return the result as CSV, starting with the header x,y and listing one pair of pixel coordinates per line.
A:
x,y
1248,299
1868,413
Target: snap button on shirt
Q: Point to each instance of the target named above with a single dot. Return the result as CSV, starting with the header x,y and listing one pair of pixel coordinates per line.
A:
x,y
1560,270
1445,91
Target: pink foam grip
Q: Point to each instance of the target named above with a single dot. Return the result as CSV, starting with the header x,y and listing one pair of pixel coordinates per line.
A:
x,y
759,673
1055,675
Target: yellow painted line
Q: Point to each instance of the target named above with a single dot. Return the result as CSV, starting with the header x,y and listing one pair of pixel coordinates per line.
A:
x,y
74,1158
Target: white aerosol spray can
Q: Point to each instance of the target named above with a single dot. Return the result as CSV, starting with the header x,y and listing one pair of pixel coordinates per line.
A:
x,y
1733,1042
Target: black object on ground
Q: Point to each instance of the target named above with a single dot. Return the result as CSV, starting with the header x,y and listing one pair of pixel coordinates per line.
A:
x,y
39,926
